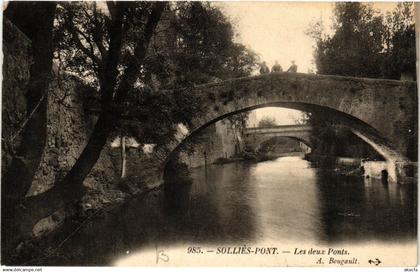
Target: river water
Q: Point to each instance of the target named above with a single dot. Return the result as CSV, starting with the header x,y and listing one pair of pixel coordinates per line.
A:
x,y
284,200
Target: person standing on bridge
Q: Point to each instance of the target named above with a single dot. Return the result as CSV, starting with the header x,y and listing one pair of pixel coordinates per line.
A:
x,y
264,68
276,68
292,68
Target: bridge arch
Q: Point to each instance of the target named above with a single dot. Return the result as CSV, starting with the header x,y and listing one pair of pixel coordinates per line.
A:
x,y
265,140
360,104
254,138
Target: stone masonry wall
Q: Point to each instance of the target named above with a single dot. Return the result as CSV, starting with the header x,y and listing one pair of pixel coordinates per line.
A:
x,y
220,141
16,64
68,130
68,125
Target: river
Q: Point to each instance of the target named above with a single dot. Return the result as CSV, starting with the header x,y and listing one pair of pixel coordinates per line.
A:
x,y
284,200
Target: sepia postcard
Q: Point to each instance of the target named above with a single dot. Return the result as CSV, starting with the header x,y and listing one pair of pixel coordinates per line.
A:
x,y
194,133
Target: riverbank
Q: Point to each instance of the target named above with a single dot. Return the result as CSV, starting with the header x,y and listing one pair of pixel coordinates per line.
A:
x,y
344,166
316,160
336,165
258,157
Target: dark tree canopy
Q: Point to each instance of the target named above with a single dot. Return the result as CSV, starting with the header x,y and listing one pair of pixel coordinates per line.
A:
x,y
400,56
366,43
267,122
196,45
193,43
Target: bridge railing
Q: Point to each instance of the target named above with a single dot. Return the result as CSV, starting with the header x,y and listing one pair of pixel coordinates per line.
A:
x,y
277,127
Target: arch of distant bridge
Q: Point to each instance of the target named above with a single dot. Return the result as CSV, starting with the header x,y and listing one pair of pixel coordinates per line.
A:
x,y
255,137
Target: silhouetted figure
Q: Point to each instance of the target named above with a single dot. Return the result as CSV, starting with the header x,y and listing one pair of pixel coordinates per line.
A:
x,y
276,68
264,68
292,68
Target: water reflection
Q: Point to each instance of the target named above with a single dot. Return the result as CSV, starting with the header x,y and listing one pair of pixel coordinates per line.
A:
x,y
217,206
282,200
288,207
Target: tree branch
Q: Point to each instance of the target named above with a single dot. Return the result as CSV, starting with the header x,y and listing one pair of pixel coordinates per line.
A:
x,y
90,52
112,8
109,78
134,66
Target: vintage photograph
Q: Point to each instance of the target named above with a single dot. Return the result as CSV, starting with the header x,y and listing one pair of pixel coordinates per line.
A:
x,y
197,133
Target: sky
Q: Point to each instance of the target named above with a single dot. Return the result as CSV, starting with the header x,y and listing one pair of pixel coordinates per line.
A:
x,y
276,31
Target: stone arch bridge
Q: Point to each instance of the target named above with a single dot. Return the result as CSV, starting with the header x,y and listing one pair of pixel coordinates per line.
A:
x,y
381,112
254,137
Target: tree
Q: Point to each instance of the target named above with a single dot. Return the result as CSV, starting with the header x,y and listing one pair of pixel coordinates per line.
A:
x,y
267,122
99,54
192,44
195,45
114,79
365,43
355,47
400,40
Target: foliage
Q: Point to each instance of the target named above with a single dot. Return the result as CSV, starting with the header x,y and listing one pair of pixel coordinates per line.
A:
x,y
267,122
400,41
280,145
193,44
365,43
302,119
153,115
239,120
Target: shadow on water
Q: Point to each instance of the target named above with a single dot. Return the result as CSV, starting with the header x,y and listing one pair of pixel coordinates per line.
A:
x,y
209,210
357,210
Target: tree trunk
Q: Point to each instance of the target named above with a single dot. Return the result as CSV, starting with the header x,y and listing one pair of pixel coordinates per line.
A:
x,y
29,153
64,193
71,188
18,178
123,156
